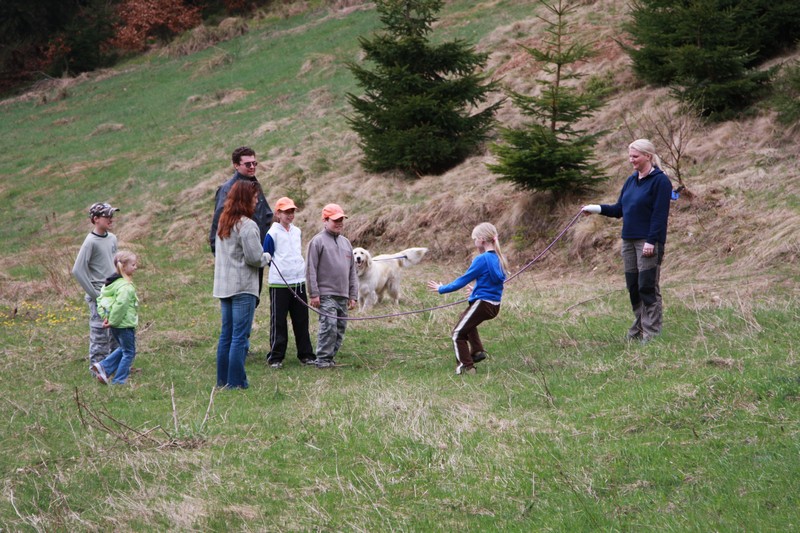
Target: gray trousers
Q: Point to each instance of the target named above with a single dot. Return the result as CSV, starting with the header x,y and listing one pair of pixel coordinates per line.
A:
x,y
101,341
642,279
331,330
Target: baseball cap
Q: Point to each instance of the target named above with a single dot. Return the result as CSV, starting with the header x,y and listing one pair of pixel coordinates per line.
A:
x,y
102,209
333,212
284,204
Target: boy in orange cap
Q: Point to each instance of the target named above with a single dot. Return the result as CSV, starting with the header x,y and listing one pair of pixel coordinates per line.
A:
x,y
287,277
332,282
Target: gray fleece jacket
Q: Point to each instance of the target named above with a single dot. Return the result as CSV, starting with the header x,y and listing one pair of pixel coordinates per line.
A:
x,y
330,267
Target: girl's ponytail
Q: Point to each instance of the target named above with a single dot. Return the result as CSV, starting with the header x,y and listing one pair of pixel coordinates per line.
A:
x,y
121,258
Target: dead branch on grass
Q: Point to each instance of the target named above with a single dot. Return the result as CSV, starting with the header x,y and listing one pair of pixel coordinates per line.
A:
x,y
541,377
208,409
101,419
174,409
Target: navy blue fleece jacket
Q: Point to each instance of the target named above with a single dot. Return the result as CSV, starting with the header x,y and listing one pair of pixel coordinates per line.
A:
x,y
644,207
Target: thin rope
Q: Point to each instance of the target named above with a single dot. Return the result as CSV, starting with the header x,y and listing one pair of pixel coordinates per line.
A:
x,y
426,309
558,238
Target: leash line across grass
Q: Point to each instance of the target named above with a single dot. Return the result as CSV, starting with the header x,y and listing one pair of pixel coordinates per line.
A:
x,y
434,308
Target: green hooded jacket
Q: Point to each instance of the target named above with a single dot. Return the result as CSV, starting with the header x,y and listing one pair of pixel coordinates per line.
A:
x,y
118,303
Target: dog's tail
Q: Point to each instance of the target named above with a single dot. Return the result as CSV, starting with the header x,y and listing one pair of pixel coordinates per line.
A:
x,y
412,256
408,257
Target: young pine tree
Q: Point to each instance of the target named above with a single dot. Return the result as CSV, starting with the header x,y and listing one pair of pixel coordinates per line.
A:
x,y
549,153
415,114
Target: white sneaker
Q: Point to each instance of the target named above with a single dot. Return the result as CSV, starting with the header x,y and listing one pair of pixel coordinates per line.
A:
x,y
100,373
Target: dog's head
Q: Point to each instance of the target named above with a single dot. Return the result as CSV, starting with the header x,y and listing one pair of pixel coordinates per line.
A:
x,y
363,259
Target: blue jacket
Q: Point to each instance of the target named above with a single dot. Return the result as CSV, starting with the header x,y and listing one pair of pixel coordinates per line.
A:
x,y
644,207
487,272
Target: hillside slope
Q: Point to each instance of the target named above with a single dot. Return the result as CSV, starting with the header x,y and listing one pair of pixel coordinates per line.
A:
x,y
154,137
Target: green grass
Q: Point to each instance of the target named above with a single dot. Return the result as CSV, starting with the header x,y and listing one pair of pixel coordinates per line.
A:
x,y
565,428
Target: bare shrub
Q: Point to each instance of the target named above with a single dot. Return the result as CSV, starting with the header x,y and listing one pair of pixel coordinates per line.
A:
x,y
673,126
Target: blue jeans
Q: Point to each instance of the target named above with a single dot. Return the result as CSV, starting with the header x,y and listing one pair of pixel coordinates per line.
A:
x,y
237,320
120,360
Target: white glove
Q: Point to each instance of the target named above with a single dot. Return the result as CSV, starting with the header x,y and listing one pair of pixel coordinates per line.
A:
x,y
266,258
591,208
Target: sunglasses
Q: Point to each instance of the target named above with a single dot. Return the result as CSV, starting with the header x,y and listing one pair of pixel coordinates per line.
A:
x,y
250,164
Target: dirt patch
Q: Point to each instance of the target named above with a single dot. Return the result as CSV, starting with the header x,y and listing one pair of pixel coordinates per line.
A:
x,y
317,64
271,126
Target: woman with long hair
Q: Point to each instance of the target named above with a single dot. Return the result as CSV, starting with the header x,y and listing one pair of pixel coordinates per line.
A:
x,y
236,262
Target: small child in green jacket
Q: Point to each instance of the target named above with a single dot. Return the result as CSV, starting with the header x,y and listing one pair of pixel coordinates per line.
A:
x,y
118,306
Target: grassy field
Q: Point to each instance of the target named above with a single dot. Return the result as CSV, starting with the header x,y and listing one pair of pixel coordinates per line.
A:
x,y
566,427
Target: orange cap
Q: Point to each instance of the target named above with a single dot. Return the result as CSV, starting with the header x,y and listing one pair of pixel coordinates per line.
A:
x,y
284,204
333,212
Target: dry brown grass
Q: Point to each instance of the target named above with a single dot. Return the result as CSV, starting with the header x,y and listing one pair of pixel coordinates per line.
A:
x,y
218,98
317,64
203,37
107,128
56,89
735,226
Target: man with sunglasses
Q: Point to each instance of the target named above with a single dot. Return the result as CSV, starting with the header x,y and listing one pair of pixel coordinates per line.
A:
x,y
94,264
244,166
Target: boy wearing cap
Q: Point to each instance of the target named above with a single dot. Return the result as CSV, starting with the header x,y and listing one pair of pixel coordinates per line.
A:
x,y
95,263
332,282
287,277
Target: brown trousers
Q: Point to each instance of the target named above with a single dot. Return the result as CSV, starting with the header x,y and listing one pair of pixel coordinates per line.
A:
x,y
642,278
466,339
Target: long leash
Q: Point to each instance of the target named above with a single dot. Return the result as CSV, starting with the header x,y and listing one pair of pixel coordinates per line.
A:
x,y
558,238
434,308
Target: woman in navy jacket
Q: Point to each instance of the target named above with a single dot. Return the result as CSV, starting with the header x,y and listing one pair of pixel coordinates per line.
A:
x,y
643,206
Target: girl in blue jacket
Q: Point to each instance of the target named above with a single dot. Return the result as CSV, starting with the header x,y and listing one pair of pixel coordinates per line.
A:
x,y
488,271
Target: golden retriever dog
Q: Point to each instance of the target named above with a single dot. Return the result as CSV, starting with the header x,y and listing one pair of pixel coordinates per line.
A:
x,y
380,275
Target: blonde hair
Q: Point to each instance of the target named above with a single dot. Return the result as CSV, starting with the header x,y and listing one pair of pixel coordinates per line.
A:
x,y
646,147
488,233
123,258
